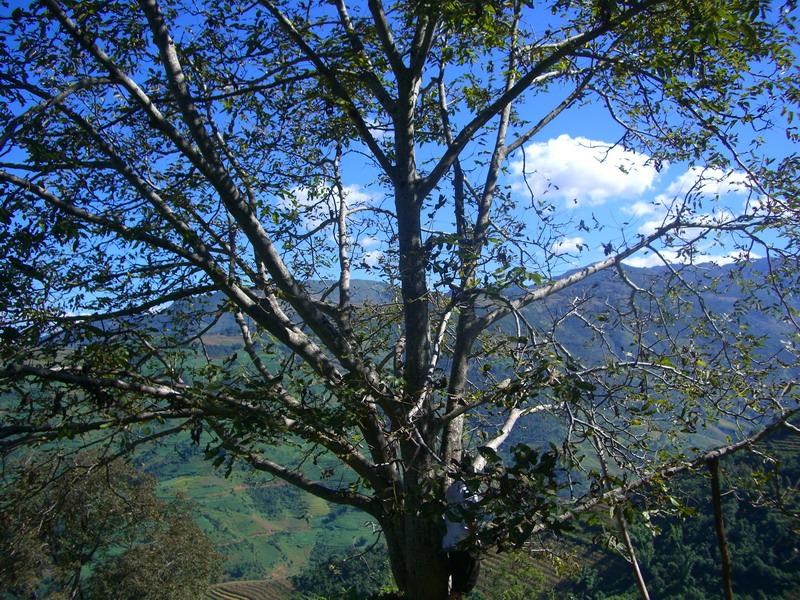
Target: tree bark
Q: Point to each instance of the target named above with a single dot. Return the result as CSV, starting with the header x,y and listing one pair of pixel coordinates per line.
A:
x,y
418,563
637,571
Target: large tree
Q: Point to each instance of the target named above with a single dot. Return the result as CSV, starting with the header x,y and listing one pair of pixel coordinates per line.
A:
x,y
169,165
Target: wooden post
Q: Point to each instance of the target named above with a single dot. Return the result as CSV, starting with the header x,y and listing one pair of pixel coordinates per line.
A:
x,y
727,584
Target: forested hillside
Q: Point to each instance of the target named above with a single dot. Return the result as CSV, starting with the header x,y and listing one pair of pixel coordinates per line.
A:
x,y
677,549
679,553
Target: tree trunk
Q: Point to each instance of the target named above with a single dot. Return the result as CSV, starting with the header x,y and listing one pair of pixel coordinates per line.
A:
x,y
415,553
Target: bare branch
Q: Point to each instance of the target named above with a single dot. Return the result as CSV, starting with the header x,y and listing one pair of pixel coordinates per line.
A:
x,y
339,496
387,41
565,282
716,501
623,492
335,85
374,83
558,52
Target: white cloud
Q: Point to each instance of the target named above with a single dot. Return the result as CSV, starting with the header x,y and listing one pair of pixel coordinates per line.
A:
x,y
708,182
725,259
380,131
367,241
641,209
673,257
650,226
316,205
309,203
568,245
651,260
356,196
372,258
766,205
589,172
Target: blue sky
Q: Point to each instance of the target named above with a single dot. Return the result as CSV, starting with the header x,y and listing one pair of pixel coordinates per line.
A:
x,y
602,194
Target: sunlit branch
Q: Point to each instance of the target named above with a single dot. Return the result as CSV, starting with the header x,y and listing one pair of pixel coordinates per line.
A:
x,y
505,430
424,34
549,117
488,399
336,86
215,174
558,52
436,348
547,290
249,347
343,244
386,38
373,82
621,522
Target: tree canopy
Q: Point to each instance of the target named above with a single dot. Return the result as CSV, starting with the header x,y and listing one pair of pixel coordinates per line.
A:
x,y
83,529
172,168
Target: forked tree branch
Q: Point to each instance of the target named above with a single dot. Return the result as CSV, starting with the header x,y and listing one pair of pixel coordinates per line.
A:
x,y
623,492
387,40
336,86
387,102
558,52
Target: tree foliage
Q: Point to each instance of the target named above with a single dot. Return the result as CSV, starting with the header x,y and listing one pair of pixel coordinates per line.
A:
x,y
679,554
362,572
89,531
237,162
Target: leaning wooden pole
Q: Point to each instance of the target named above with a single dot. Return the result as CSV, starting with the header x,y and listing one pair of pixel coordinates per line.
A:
x,y
716,500
626,537
623,526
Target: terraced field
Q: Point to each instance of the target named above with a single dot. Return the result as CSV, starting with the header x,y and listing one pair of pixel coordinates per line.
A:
x,y
272,589
528,576
517,574
512,576
264,528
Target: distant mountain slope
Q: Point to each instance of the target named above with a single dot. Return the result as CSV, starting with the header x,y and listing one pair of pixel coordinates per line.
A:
x,y
597,293
600,290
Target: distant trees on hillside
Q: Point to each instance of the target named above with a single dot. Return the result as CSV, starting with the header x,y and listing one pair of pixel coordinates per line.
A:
x,y
93,531
761,509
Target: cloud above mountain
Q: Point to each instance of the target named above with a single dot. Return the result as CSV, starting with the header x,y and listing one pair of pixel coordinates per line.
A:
x,y
584,172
